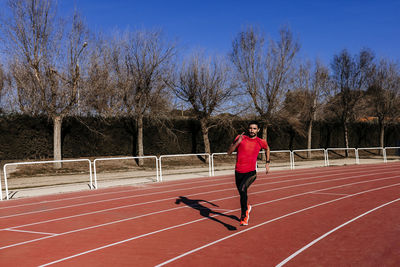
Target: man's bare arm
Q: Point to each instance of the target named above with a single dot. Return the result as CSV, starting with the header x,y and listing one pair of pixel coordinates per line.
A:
x,y
234,145
267,159
267,154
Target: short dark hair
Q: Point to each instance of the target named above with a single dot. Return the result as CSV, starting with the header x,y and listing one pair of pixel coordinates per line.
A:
x,y
254,122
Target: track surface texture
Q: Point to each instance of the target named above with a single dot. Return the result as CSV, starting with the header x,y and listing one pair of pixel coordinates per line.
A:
x,y
332,216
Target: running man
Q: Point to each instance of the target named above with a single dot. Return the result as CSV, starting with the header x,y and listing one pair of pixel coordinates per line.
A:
x,y
248,148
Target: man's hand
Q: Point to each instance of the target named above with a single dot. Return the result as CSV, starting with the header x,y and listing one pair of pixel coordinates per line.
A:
x,y
240,138
267,168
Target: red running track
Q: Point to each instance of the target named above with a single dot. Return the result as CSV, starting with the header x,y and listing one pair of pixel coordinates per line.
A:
x,y
344,216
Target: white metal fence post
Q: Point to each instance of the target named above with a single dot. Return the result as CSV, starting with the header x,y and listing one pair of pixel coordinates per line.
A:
x,y
161,178
5,180
384,155
95,172
209,165
91,177
212,164
357,158
157,170
1,189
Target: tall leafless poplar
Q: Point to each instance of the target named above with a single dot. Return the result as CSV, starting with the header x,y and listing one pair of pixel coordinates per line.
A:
x,y
44,55
142,65
264,71
205,84
350,78
102,96
314,84
383,96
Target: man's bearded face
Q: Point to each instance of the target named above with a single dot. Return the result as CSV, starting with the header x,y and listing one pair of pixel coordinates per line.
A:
x,y
253,130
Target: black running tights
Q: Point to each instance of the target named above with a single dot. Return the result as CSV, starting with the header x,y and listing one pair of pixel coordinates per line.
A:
x,y
243,182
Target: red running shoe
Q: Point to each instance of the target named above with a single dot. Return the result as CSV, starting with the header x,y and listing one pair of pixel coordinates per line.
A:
x,y
245,220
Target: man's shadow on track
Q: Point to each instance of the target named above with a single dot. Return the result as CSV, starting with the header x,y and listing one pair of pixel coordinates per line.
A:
x,y
207,212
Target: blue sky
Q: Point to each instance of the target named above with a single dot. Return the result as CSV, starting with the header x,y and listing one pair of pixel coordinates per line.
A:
x,y
323,28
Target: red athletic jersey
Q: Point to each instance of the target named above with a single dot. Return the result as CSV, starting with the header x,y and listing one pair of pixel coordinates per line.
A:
x,y
247,152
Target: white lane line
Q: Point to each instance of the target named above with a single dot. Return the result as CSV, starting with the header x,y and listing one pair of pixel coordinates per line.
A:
x,y
208,192
31,232
206,180
331,231
154,193
150,187
334,194
167,210
105,200
262,224
217,241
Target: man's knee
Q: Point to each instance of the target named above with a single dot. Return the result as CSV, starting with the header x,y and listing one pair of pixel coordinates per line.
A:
x,y
250,181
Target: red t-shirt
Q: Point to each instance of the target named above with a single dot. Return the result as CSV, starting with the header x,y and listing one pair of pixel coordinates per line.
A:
x,y
247,152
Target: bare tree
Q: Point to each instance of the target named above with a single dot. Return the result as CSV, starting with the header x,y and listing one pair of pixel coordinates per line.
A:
x,y
101,96
383,96
205,84
44,55
142,64
350,80
291,114
264,72
2,84
313,82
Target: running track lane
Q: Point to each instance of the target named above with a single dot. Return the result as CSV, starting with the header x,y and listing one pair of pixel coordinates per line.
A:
x,y
69,225
274,235
51,206
87,198
212,225
114,193
26,218
270,242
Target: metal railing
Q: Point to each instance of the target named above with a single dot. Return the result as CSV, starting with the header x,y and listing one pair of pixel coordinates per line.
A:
x,y
372,148
389,148
184,155
212,160
45,162
309,150
122,158
285,151
211,164
345,149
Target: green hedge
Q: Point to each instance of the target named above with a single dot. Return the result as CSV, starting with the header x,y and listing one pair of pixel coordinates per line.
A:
x,y
26,137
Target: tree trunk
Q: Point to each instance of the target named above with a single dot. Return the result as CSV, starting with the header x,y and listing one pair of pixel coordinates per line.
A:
x,y
346,138
382,134
57,123
139,139
204,131
309,138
